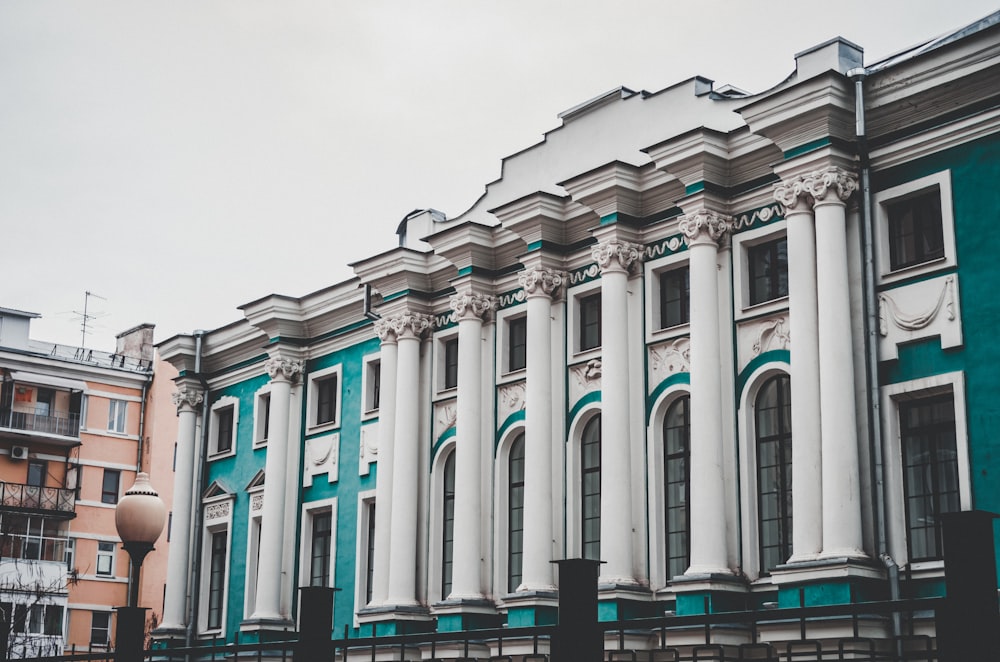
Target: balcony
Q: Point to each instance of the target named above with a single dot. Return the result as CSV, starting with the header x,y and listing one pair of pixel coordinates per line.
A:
x,y
55,502
63,424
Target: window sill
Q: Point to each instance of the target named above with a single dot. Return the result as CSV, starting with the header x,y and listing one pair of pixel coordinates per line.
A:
x,y
763,308
323,427
219,456
670,332
915,270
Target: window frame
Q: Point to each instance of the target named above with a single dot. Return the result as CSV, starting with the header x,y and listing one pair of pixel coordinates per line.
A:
x,y
447,540
371,385
593,423
109,496
218,410
106,628
574,298
449,368
261,416
316,378
782,441
669,457
441,341
309,512
516,343
515,502
217,517
742,243
363,567
773,278
105,551
117,416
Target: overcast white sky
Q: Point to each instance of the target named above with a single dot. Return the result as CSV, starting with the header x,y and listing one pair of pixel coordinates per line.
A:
x,y
183,158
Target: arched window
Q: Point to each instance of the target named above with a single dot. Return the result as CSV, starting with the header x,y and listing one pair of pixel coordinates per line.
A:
x,y
515,513
590,489
676,488
447,525
773,415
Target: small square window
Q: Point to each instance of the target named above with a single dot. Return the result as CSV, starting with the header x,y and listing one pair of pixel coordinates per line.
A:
x,y
326,400
224,430
915,234
768,271
116,416
675,300
105,559
590,321
451,363
110,486
517,343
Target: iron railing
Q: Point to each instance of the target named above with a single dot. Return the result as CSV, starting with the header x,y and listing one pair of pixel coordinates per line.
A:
x,y
51,500
63,424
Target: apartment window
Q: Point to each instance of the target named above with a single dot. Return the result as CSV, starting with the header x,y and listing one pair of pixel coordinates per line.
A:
x,y
930,471
224,429
448,525
590,475
373,385
677,490
105,559
319,564
590,321
768,266
370,553
773,416
451,363
915,233
675,301
515,513
326,400
100,628
517,344
116,416
110,486
263,422
36,473
216,579
45,619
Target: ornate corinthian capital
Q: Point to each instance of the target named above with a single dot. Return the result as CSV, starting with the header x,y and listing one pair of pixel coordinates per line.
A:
x,y
612,255
185,395
410,325
704,227
472,305
832,180
384,331
540,281
281,368
792,194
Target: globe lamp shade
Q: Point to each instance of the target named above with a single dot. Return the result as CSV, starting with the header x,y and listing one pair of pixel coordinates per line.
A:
x,y
140,514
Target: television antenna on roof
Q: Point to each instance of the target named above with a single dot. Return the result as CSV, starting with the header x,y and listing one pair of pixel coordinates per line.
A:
x,y
86,316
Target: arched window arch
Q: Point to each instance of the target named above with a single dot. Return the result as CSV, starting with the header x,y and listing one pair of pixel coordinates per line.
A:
x,y
590,489
676,484
447,524
515,512
773,431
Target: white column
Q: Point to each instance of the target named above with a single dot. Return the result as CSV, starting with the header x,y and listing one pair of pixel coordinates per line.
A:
x,y
807,490
187,400
283,372
616,260
702,231
830,189
409,328
468,310
383,471
536,569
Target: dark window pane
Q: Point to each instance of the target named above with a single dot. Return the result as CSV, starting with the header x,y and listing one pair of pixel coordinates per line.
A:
x,y
515,505
326,400
774,471
675,304
676,454
517,337
109,486
590,321
590,478
224,436
216,579
451,363
448,529
915,234
319,572
768,267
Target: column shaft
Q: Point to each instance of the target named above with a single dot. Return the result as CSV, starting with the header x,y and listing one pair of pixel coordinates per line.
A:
x,y
383,475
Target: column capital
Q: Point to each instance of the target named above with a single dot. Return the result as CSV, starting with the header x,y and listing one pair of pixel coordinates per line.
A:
x,y
616,255
833,180
385,332
793,195
540,282
410,325
187,396
282,369
472,305
704,227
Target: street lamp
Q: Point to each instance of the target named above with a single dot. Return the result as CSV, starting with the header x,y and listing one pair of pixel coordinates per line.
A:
x,y
139,518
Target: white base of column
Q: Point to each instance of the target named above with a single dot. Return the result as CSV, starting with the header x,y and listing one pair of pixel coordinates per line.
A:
x,y
604,580
701,570
828,554
802,558
537,588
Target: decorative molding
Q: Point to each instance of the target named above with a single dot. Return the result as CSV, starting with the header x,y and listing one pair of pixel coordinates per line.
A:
x,y
256,503
445,415
792,194
284,369
410,325
471,305
368,452
321,457
511,399
542,281
186,395
704,227
508,299
217,511
771,334
772,212
889,310
584,274
617,255
898,324
385,332
661,248
586,378
821,183
669,359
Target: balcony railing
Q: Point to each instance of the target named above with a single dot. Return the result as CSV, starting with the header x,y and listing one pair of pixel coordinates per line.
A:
x,y
32,548
57,501
64,424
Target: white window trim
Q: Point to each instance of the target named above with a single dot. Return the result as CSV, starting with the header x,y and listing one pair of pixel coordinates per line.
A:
x,y
313,402
501,496
742,242
574,536
882,199
503,320
573,353
264,392
213,427
365,499
112,554
891,396
218,524
309,510
370,363
440,339
748,467
653,269
254,518
114,416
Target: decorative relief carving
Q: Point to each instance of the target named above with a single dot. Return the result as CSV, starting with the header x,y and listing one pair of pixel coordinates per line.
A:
x,y
217,511
832,180
281,368
771,334
368,452
792,193
384,331
472,305
445,415
185,395
586,378
919,310
410,325
543,281
589,272
889,310
704,226
510,298
256,502
511,397
669,359
321,457
616,255
670,244
763,215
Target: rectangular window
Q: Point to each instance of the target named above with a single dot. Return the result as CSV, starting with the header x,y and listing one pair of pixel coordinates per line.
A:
x,y
373,385
768,271
915,233
43,403
100,628
451,363
36,473
675,303
105,559
517,343
224,430
116,416
930,471
263,417
69,554
319,565
590,321
53,620
326,400
370,554
216,579
110,486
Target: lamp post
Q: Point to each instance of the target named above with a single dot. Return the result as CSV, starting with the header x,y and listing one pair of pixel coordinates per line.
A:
x,y
139,518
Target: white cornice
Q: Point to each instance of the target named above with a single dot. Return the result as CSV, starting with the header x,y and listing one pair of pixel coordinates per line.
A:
x,y
466,245
615,187
936,140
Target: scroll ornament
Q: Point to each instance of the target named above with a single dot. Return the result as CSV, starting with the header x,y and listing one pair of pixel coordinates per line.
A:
x,y
703,226
889,310
616,254
186,395
471,305
545,281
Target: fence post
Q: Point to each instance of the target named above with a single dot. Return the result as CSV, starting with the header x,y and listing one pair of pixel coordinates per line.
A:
x,y
130,634
315,624
968,624
578,637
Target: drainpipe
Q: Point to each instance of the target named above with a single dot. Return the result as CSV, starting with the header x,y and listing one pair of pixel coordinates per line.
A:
x,y
199,479
871,348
